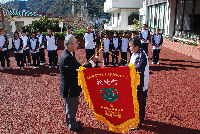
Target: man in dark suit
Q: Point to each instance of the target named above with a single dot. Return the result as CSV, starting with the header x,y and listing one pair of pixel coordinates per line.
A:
x,y
69,88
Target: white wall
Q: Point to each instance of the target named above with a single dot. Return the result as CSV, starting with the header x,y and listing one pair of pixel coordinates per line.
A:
x,y
26,20
127,3
170,19
107,5
122,22
111,5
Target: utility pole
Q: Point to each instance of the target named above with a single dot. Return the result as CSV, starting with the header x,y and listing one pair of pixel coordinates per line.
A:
x,y
73,10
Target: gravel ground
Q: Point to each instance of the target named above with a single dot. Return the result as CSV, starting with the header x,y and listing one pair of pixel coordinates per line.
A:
x,y
30,101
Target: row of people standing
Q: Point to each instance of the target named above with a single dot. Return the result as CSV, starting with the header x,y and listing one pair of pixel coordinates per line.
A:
x,y
27,48
117,44
156,40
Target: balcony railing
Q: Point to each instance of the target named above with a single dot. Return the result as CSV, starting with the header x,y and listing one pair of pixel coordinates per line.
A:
x,y
111,5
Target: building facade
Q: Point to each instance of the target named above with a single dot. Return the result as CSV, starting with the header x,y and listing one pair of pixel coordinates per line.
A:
x,y
20,18
178,18
122,13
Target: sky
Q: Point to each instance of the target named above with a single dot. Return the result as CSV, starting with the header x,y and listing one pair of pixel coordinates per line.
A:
x,y
3,1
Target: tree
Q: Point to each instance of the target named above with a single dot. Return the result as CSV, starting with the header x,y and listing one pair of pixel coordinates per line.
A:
x,y
43,24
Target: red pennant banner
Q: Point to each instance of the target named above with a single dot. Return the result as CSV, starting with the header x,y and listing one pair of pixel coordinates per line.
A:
x,y
111,93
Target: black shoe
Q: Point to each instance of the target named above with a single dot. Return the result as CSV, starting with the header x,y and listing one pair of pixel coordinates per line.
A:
x,y
78,129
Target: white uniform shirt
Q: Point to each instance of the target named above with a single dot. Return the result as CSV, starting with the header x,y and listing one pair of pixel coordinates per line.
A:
x,y
115,43
124,47
134,56
67,34
106,43
17,45
89,41
33,45
51,43
25,39
157,39
145,35
40,41
2,42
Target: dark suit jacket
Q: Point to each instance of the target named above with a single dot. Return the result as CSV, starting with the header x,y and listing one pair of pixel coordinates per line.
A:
x,y
69,76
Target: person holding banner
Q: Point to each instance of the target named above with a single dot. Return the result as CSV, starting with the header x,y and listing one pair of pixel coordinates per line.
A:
x,y
69,89
140,59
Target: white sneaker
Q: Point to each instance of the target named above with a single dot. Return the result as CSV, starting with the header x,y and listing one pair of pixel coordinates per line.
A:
x,y
29,64
158,63
35,68
152,62
41,63
19,67
55,66
49,66
38,67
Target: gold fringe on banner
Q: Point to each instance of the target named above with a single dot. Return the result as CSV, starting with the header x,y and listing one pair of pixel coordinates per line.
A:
x,y
126,126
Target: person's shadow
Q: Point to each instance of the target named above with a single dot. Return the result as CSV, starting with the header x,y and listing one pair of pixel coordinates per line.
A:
x,y
163,128
34,72
89,130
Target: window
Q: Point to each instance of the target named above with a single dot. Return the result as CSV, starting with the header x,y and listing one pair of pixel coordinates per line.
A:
x,y
118,15
131,17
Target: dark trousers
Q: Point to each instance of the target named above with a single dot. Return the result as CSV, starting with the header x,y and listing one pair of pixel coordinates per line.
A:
x,y
124,58
20,60
27,56
115,55
141,96
42,55
35,58
145,47
106,58
89,53
7,58
2,58
155,55
53,58
71,104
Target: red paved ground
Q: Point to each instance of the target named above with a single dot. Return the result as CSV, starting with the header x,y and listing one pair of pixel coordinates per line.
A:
x,y
30,100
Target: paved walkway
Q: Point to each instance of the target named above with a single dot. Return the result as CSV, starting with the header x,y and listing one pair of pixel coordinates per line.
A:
x,y
30,100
